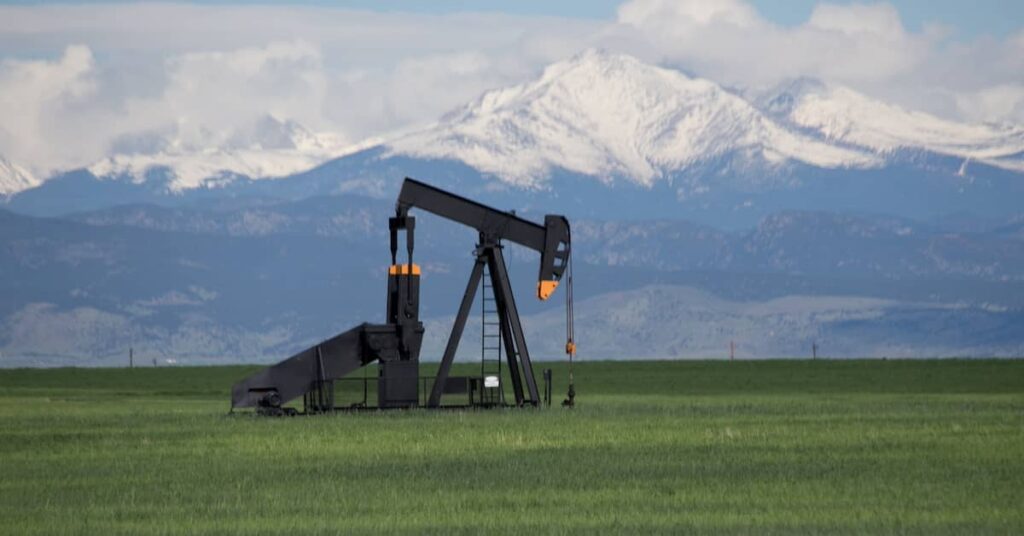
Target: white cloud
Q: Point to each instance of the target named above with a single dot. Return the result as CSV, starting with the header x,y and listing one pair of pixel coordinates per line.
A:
x,y
994,104
736,45
218,99
416,89
159,78
865,46
858,19
666,13
174,78
56,117
35,97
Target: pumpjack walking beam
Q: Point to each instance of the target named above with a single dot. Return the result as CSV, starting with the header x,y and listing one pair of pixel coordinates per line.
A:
x,y
551,240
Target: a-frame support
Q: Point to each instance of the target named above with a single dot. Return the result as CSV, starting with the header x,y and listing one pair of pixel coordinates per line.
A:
x,y
489,254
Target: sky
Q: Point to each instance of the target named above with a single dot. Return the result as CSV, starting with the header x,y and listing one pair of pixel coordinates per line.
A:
x,y
83,81
970,19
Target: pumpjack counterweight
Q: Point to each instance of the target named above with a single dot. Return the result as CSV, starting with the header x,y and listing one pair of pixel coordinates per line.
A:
x,y
395,345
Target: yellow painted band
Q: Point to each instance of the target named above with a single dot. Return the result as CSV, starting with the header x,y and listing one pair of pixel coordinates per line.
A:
x,y
403,269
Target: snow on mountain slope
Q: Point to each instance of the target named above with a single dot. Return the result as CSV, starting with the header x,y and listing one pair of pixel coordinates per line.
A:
x,y
610,115
14,178
272,148
598,114
842,115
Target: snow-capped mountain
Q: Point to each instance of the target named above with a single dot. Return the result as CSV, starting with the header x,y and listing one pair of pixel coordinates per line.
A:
x,y
271,148
14,178
610,115
841,115
608,133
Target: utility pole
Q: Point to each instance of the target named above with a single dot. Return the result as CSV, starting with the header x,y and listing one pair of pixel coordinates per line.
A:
x,y
732,351
814,350
131,357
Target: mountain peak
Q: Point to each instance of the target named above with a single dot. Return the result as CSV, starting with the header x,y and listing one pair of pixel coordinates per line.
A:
x,y
780,101
599,63
14,178
615,79
614,117
842,115
269,147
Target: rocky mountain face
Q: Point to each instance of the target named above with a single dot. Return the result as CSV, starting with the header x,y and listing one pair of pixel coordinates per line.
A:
x,y
200,285
794,242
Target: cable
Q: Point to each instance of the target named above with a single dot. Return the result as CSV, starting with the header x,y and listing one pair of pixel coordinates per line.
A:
x,y
570,329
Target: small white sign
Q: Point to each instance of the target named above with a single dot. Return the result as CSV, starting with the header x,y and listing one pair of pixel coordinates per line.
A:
x,y
491,381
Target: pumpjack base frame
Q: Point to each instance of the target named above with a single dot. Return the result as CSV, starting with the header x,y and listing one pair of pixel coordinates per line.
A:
x,y
395,347
365,406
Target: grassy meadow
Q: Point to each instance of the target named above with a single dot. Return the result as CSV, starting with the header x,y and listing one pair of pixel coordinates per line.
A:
x,y
920,447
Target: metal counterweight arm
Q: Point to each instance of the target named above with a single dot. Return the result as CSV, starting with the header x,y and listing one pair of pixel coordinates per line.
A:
x,y
551,240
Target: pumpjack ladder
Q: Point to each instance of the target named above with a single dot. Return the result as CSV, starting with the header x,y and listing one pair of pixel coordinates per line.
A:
x,y
490,346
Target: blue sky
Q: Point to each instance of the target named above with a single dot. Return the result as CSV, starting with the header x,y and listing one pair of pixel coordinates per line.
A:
x,y
967,19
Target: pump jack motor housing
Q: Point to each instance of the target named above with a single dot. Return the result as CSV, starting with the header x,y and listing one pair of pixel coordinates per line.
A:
x,y
395,344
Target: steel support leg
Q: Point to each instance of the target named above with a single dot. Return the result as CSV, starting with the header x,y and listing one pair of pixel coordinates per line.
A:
x,y
453,339
509,342
510,358
506,302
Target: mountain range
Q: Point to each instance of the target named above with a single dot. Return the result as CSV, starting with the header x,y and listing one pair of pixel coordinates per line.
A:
x,y
702,215
608,120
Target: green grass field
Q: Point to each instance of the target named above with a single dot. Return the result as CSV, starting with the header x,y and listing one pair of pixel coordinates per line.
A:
x,y
711,447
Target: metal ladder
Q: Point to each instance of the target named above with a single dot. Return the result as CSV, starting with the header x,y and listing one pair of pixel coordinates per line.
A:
x,y
490,344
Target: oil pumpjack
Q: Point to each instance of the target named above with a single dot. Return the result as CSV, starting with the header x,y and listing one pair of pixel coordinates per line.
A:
x,y
395,345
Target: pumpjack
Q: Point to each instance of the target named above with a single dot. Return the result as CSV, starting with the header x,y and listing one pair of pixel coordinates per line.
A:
x,y
395,344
